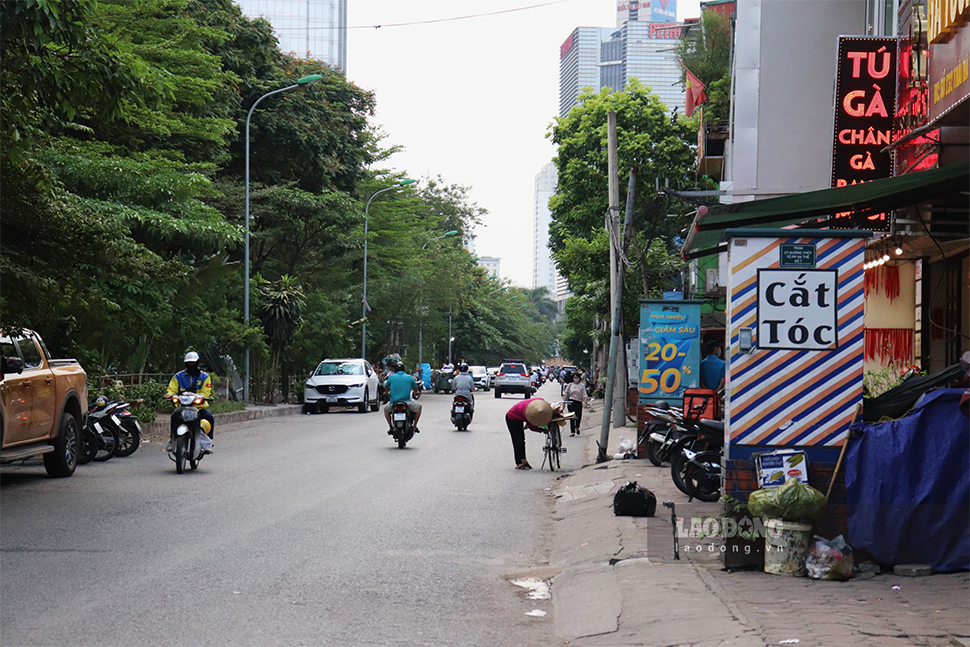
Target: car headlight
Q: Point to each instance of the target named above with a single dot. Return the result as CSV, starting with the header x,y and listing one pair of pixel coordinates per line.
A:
x,y
357,386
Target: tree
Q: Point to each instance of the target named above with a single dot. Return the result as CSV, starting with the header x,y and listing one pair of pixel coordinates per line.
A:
x,y
281,313
705,49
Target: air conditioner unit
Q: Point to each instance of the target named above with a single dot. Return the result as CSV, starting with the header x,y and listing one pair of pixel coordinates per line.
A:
x,y
711,280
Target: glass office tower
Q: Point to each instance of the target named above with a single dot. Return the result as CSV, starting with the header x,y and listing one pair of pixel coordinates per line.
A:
x,y
308,29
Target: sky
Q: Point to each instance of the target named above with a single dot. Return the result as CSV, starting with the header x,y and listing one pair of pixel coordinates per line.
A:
x,y
471,100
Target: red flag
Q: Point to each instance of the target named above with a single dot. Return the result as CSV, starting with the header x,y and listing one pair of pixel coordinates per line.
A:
x,y
694,90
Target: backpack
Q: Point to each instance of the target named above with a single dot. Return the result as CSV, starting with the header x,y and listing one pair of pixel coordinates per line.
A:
x,y
632,500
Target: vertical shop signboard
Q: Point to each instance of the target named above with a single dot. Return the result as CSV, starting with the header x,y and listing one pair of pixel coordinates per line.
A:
x,y
795,331
670,333
865,106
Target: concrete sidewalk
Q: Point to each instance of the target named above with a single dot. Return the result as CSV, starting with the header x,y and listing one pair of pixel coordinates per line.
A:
x,y
618,583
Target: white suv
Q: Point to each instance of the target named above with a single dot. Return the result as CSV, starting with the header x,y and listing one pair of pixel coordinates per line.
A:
x,y
341,383
513,377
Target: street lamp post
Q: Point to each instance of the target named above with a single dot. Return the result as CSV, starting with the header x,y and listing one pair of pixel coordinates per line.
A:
x,y
300,82
421,307
364,306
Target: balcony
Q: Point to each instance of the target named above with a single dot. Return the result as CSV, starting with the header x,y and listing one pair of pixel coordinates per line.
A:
x,y
711,137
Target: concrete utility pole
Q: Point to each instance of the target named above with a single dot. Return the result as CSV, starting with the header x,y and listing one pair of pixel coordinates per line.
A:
x,y
612,226
620,389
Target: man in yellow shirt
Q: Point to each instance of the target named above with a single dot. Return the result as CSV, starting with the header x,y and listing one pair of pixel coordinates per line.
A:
x,y
197,381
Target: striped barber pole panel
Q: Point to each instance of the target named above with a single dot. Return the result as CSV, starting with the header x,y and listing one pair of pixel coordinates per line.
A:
x,y
801,385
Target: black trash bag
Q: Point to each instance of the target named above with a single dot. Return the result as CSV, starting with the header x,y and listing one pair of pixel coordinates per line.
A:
x,y
631,500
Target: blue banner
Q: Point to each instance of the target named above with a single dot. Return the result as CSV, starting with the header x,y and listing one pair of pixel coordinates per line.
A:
x,y
670,353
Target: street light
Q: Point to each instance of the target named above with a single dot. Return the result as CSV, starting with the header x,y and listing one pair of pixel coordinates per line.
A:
x,y
364,306
450,339
421,307
313,78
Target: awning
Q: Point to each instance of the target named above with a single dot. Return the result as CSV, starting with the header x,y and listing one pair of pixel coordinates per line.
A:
x,y
802,210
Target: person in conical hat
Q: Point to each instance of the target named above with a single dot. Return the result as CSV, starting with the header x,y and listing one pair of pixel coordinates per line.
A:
x,y
534,413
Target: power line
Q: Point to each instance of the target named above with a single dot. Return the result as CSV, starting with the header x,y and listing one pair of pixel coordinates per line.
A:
x,y
435,20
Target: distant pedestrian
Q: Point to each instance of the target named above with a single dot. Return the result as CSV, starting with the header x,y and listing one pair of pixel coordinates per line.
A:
x,y
575,395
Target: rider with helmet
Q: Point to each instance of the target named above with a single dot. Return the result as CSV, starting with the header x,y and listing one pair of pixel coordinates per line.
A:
x,y
401,386
464,385
197,381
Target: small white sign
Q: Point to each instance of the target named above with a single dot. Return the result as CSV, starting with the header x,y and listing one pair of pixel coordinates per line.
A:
x,y
798,309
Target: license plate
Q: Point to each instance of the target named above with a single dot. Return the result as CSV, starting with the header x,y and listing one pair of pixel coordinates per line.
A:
x,y
400,416
115,419
459,409
331,398
189,414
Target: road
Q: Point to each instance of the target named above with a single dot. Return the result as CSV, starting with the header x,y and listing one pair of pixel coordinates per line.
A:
x,y
300,530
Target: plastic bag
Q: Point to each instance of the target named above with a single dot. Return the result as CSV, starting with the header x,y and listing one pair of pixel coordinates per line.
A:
x,y
632,500
625,445
829,560
793,501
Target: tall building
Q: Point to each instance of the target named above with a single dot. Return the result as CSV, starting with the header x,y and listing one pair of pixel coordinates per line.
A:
x,y
544,271
599,57
309,29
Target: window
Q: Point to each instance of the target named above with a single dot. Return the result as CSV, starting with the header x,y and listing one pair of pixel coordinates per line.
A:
x,y
29,352
339,368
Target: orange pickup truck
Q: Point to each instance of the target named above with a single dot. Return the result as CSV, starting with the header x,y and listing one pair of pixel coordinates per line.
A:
x,y
43,404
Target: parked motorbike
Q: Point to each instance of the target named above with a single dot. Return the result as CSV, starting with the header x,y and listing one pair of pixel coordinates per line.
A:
x,y
101,440
461,412
695,464
402,423
662,432
189,442
129,431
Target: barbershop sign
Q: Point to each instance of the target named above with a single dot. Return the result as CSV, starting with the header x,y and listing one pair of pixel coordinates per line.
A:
x,y
797,309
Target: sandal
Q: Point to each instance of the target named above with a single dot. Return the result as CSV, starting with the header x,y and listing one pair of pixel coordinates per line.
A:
x,y
523,466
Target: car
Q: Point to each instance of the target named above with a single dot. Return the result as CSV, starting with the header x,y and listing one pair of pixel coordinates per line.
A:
x,y
513,377
480,374
491,370
342,383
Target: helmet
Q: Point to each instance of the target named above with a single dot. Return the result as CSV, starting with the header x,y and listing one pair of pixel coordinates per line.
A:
x,y
191,356
463,368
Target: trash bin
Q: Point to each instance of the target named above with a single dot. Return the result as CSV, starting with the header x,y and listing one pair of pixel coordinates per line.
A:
x,y
786,547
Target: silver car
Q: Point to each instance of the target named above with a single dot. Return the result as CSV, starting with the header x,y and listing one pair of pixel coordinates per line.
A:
x,y
513,377
341,383
480,375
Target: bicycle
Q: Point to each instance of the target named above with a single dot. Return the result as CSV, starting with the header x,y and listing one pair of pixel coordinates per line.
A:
x,y
553,447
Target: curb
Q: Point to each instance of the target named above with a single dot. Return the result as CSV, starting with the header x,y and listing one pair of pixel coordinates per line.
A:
x,y
160,428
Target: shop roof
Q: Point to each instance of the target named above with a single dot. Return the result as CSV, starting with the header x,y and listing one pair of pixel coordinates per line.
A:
x,y
802,210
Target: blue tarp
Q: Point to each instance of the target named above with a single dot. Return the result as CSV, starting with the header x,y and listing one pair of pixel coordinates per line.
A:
x,y
907,485
426,375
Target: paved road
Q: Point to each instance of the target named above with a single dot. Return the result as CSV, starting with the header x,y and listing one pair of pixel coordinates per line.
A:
x,y
311,530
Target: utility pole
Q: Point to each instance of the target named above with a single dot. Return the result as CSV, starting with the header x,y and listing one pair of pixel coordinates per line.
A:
x,y
612,226
619,394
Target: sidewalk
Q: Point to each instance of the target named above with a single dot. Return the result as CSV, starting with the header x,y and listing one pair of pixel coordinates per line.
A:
x,y
618,583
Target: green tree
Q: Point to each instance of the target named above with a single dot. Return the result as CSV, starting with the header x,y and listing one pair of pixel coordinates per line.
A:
x,y
705,50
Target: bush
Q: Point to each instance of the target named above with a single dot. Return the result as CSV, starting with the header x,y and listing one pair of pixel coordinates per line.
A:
x,y
151,392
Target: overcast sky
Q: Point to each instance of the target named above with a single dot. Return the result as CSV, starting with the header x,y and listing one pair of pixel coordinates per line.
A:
x,y
471,100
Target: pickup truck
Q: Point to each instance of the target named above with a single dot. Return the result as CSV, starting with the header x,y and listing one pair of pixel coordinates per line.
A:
x,y
43,404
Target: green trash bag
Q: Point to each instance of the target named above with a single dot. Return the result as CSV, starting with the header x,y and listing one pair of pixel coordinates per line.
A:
x,y
792,501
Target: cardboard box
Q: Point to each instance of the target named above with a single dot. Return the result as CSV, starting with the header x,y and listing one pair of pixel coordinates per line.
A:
x,y
774,468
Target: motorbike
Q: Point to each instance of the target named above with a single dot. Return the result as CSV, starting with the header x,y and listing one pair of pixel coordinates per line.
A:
x,y
189,442
402,423
129,431
461,412
100,439
695,463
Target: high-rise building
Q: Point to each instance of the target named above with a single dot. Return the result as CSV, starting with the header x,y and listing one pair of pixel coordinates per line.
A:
x,y
308,29
543,269
599,57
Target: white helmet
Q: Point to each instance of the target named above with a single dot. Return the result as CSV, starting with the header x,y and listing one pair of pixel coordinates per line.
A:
x,y
191,356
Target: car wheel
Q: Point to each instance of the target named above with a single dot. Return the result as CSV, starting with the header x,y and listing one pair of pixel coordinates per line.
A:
x,y
309,408
63,460
498,393
362,407
376,404
324,408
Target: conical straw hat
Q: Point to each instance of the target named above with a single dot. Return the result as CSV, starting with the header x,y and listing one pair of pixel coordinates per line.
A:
x,y
538,413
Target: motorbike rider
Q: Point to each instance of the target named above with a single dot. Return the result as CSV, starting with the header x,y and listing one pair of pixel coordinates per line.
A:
x,y
465,385
197,381
401,387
